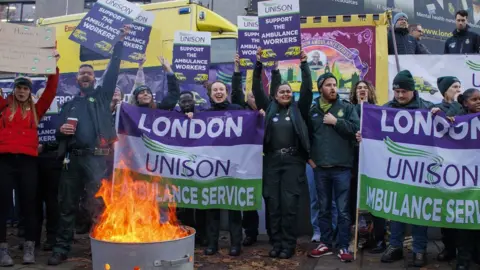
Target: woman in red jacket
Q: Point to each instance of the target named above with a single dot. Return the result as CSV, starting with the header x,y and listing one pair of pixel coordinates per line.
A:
x,y
19,117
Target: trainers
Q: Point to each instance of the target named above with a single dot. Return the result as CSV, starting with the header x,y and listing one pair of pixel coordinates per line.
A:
x,y
344,255
29,252
320,250
419,259
5,259
56,258
392,254
316,238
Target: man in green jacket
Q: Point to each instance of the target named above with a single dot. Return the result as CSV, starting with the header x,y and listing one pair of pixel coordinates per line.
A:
x,y
332,125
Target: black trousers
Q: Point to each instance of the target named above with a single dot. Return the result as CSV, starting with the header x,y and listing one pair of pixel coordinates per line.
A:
x,y
468,246
282,185
379,229
195,218
49,171
20,170
250,221
448,239
83,173
234,225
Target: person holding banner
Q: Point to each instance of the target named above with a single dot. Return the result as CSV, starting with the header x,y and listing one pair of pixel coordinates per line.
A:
x,y
19,118
406,98
467,240
143,97
218,94
85,139
286,148
332,123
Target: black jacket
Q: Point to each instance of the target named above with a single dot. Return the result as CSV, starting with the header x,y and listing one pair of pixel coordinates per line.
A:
x,y
271,107
406,44
462,42
238,96
98,107
453,107
224,106
170,101
416,103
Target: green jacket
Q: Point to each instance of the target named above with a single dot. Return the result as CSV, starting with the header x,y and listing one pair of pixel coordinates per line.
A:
x,y
416,103
333,145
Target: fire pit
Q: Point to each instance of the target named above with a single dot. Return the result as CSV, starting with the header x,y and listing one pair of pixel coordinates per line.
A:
x,y
130,233
175,254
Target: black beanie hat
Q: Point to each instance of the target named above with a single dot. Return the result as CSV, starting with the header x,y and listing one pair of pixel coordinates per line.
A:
x,y
140,89
24,82
321,79
445,82
404,80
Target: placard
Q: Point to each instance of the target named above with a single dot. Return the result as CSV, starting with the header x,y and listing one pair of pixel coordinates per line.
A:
x,y
100,29
135,43
191,54
27,36
248,41
279,22
27,60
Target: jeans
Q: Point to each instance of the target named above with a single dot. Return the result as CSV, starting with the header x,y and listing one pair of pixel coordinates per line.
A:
x,y
338,179
315,204
419,234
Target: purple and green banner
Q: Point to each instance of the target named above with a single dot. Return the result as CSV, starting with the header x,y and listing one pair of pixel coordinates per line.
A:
x,y
248,41
420,168
135,43
191,56
279,23
99,30
212,161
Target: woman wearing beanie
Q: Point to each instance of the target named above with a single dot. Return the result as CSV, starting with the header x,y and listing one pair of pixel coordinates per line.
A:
x,y
19,119
142,96
286,147
451,88
467,240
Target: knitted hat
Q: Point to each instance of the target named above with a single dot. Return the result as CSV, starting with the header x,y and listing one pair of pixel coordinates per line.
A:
x,y
23,81
404,80
321,79
445,82
140,89
398,16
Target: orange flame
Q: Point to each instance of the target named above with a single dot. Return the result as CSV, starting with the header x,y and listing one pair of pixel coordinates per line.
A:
x,y
132,213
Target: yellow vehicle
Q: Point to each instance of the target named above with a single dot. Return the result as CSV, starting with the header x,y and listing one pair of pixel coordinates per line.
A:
x,y
136,56
198,99
180,76
201,77
104,46
268,53
187,15
80,35
293,51
245,62
269,63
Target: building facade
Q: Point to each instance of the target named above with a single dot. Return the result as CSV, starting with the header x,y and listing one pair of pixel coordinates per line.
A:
x,y
27,11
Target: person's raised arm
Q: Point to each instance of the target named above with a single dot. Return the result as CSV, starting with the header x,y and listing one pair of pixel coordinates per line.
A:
x,y
261,99
306,94
170,101
276,81
110,76
48,95
140,78
238,97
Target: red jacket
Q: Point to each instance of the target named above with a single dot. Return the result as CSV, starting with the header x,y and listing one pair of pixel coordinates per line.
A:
x,y
20,136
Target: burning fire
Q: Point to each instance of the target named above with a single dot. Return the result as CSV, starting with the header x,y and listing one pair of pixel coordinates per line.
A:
x,y
132,214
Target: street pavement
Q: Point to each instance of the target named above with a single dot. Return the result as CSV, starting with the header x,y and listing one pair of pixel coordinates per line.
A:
x,y
255,257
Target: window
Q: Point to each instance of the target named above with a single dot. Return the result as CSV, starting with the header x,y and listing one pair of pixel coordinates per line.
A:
x,y
223,50
17,12
89,3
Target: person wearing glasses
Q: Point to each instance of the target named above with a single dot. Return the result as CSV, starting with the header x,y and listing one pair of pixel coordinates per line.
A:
x,y
417,32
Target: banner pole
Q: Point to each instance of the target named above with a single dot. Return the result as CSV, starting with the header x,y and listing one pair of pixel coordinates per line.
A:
x,y
392,30
359,186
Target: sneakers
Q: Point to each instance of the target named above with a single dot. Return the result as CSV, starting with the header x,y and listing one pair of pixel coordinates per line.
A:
x,y
344,255
392,254
56,258
316,238
419,259
29,252
5,259
320,250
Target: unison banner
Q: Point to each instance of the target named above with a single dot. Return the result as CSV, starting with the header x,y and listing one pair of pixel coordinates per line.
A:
x,y
419,168
211,161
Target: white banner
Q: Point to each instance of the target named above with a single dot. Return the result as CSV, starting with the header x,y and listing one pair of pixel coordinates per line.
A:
x,y
427,68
